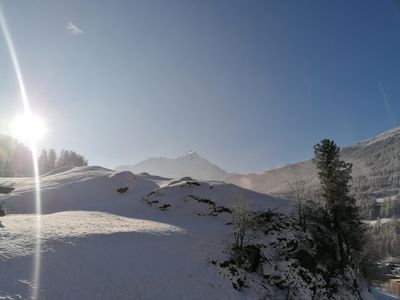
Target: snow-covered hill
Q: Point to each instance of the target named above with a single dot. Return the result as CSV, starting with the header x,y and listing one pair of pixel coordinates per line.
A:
x,y
81,188
210,198
101,244
116,235
191,164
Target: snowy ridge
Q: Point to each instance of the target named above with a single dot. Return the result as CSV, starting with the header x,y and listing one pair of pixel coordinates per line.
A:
x,y
380,137
210,198
82,188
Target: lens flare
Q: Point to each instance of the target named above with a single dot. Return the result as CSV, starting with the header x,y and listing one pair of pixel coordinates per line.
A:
x,y
27,127
32,140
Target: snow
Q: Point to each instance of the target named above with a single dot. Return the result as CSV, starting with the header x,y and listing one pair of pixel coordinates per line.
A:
x,y
373,222
190,164
380,137
379,295
194,197
383,199
97,243
100,244
84,188
67,226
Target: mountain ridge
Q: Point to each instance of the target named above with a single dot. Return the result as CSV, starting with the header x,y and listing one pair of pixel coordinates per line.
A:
x,y
376,169
191,164
376,176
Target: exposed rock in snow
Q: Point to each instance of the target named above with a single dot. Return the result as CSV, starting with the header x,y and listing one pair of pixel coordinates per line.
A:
x,y
210,198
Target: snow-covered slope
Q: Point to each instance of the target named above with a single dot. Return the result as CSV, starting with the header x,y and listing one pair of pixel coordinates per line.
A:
x,y
211,198
81,188
97,243
116,235
191,164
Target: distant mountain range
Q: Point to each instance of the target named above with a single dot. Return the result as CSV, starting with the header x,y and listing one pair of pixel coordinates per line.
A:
x,y
191,164
376,171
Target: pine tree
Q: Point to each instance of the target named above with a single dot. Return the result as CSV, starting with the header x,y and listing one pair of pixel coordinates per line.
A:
x,y
60,160
69,158
43,162
343,214
52,159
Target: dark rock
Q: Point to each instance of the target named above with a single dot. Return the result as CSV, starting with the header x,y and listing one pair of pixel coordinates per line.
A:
x,y
122,190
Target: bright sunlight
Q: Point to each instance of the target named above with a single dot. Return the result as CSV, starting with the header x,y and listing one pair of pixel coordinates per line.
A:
x,y
28,127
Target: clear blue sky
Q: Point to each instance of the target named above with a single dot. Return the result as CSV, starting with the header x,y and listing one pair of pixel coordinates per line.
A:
x,y
249,85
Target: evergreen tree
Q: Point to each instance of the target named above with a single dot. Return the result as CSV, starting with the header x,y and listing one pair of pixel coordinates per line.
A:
x,y
341,210
15,158
61,159
43,162
52,159
68,158
385,238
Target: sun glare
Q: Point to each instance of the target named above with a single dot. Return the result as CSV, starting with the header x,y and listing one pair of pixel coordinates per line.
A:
x,y
28,127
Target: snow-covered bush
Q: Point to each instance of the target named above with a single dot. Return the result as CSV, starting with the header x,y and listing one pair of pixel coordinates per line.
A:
x,y
4,190
241,223
281,261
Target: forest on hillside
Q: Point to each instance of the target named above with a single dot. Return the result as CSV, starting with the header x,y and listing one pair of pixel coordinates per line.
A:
x,y
16,159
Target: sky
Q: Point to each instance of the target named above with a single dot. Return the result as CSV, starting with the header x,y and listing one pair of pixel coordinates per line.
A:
x,y
249,85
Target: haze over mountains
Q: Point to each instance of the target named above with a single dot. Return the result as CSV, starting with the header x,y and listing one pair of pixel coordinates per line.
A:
x,y
191,164
376,177
376,166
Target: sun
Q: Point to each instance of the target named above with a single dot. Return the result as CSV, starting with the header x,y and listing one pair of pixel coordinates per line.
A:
x,y
28,127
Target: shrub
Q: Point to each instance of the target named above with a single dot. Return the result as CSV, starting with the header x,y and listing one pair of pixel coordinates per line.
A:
x,y
2,211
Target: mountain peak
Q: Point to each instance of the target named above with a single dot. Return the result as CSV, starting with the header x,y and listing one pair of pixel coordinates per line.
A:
x,y
191,164
192,154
